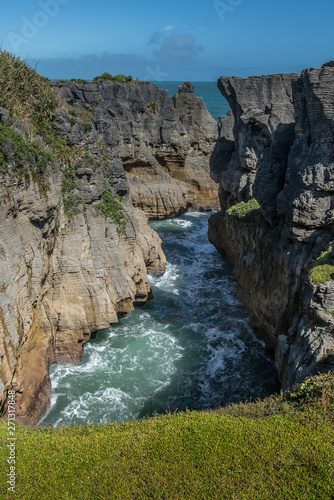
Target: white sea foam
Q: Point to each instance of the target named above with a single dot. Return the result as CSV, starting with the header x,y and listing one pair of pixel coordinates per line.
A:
x,y
192,345
198,214
183,223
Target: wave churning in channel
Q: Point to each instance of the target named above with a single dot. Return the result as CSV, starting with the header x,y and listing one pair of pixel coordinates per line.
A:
x,y
192,347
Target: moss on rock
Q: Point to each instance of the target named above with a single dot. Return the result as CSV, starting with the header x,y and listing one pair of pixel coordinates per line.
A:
x,y
323,269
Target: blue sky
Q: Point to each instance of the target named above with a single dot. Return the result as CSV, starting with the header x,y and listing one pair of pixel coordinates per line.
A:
x,y
171,40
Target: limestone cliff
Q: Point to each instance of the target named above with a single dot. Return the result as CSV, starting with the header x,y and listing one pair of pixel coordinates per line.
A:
x,y
74,255
274,163
164,144
74,247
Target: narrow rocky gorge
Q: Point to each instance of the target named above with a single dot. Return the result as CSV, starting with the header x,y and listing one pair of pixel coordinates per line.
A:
x,y
75,244
75,248
274,161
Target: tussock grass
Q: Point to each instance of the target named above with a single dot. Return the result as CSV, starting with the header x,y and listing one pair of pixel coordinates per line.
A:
x,y
29,98
24,92
16,153
113,208
279,448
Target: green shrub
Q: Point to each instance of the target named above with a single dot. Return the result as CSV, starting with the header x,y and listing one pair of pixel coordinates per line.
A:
x,y
118,78
323,269
123,79
243,210
86,127
154,106
112,207
18,154
78,80
68,183
72,204
103,77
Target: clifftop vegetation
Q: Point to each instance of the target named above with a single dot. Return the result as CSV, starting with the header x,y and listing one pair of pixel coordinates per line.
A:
x,y
279,448
323,269
25,93
35,141
118,78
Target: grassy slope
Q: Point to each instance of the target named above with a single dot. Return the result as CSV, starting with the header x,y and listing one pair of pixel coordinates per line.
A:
x,y
279,448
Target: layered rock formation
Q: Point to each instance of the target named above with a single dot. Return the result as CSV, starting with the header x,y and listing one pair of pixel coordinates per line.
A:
x,y
75,248
165,145
66,269
281,155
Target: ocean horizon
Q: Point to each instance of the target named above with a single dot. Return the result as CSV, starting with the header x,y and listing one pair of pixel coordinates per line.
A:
x,y
214,101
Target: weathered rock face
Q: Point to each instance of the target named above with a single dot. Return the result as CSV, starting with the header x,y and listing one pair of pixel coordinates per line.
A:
x,y
64,277
165,145
307,197
75,249
263,135
225,147
282,155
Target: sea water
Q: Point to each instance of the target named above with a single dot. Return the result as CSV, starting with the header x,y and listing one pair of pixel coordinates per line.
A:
x,y
214,101
191,347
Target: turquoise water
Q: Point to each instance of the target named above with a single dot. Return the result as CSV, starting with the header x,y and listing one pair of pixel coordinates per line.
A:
x,y
215,102
191,347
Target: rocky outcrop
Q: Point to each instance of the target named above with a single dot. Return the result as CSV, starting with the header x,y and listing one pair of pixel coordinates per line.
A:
x,y
307,196
75,248
281,156
263,134
69,263
164,144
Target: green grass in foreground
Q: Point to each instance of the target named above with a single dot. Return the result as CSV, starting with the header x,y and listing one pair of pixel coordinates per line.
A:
x,y
278,448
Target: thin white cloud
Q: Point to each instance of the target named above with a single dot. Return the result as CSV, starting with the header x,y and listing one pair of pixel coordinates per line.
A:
x,y
167,28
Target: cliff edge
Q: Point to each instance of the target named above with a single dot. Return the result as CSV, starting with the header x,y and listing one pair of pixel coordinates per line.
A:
x,y
274,162
74,258
77,163
164,144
